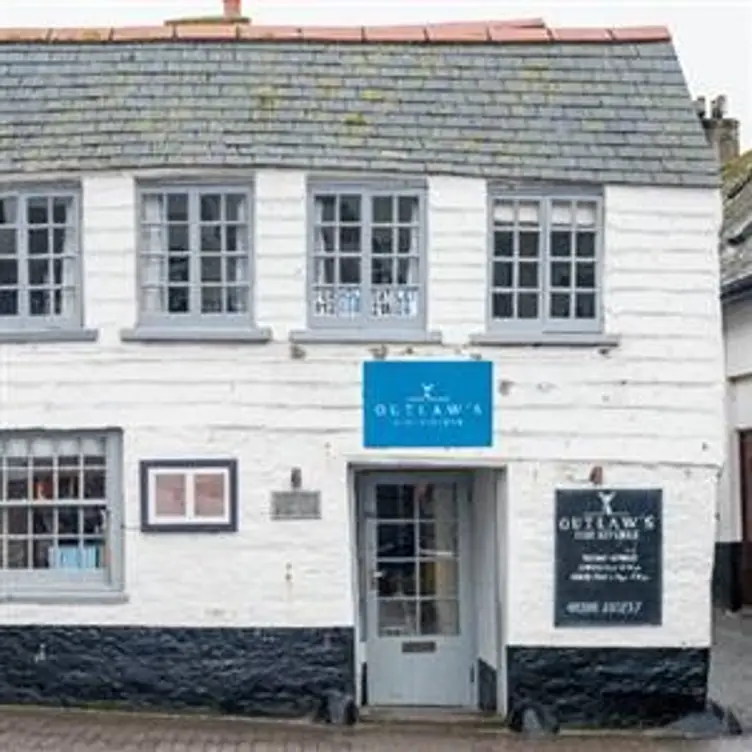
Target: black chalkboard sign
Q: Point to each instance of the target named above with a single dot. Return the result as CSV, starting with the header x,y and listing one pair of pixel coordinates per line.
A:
x,y
608,557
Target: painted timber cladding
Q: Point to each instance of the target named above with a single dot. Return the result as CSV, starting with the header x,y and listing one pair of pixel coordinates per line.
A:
x,y
649,410
601,113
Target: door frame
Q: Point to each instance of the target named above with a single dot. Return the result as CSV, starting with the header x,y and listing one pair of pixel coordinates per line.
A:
x,y
744,564
364,477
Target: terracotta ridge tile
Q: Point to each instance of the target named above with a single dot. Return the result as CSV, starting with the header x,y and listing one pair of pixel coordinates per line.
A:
x,y
526,31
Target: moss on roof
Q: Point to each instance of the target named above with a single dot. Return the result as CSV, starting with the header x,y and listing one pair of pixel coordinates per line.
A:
x,y
736,173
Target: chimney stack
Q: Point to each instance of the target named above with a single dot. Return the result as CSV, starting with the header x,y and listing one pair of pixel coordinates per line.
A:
x,y
722,132
232,9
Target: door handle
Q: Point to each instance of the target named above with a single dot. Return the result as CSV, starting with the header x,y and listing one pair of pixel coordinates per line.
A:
x,y
376,575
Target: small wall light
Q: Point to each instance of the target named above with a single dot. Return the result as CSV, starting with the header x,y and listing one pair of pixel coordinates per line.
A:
x,y
596,475
296,478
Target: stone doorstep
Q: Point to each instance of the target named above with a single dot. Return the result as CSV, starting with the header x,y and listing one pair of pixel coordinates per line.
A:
x,y
455,724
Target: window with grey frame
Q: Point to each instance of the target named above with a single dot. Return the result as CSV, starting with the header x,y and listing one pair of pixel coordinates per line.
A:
x,y
545,272
60,511
195,256
40,281
367,258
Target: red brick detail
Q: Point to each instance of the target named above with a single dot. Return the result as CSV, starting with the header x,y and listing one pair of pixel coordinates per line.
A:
x,y
332,33
581,35
271,33
395,33
531,35
83,34
24,35
642,34
142,33
458,32
206,32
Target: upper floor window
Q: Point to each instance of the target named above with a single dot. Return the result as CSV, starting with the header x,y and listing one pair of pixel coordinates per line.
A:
x,y
195,256
40,275
545,264
367,258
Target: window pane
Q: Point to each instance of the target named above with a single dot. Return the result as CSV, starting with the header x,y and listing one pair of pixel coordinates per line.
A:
x,y
39,271
211,208
211,238
39,241
528,275
62,207
502,305
209,495
235,208
439,617
585,305
381,271
8,272
349,209
326,208
586,214
586,244
585,275
211,269
407,240
8,208
398,617
408,209
236,269
383,209
324,271
349,271
396,540
502,274
8,303
178,268
177,207
177,238
349,239
237,299
7,241
211,299
561,243
177,299
40,303
529,244
561,274
527,305
381,240
560,305
528,213
561,213
169,495
37,210
503,243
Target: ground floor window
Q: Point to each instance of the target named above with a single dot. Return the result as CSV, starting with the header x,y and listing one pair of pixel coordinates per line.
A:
x,y
60,512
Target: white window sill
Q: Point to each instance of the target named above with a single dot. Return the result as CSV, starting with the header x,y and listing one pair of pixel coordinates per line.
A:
x,y
365,337
551,339
62,598
167,334
23,337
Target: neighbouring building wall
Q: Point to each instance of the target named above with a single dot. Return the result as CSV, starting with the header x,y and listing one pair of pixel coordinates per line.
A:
x,y
649,410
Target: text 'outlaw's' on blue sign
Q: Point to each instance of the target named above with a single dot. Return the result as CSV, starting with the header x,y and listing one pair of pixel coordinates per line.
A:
x,y
427,403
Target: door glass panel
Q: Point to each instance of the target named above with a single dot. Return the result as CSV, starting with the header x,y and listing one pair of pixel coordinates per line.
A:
x,y
438,578
398,617
396,541
396,578
395,502
416,572
439,617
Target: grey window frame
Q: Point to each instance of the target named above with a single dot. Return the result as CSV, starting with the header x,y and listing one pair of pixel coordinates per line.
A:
x,y
544,329
46,587
54,328
365,327
195,326
147,467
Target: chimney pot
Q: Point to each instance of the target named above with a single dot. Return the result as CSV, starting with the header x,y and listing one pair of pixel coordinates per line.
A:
x,y
232,9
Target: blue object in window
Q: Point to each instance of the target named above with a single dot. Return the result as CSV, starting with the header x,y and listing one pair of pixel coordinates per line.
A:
x,y
73,557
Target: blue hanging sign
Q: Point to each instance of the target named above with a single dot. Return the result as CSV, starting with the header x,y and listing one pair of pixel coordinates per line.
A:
x,y
432,403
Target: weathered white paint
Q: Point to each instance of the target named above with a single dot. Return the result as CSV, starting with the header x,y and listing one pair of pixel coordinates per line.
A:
x,y
650,411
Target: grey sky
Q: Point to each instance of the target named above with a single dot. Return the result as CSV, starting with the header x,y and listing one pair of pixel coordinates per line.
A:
x,y
714,37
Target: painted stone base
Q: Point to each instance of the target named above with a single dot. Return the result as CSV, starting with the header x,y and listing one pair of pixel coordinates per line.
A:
x,y
262,672
609,687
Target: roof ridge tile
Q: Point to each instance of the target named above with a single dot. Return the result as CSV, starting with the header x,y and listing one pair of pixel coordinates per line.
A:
x,y
525,31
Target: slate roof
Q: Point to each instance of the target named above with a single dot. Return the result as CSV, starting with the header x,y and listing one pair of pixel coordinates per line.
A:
x,y
498,100
736,231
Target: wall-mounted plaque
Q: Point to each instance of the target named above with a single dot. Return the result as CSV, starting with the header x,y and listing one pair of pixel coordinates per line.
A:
x,y
296,505
608,557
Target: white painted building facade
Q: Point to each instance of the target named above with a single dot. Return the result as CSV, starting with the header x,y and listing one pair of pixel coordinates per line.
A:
x,y
301,403
646,406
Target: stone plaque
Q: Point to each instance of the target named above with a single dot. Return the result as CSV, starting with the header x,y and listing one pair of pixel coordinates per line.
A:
x,y
608,557
296,505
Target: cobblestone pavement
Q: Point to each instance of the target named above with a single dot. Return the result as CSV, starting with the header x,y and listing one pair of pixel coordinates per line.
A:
x,y
731,666
72,731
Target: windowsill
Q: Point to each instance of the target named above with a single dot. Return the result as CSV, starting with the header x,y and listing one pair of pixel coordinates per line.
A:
x,y
147,334
563,339
358,336
54,598
197,527
22,337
